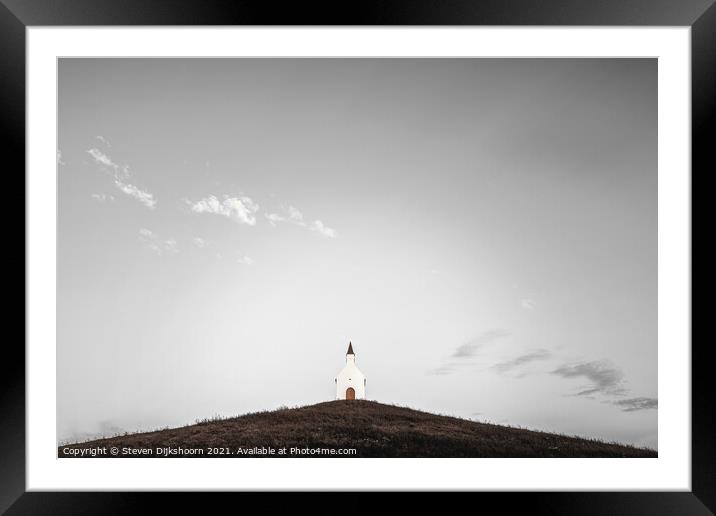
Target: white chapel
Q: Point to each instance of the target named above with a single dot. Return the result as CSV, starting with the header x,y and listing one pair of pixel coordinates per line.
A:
x,y
350,382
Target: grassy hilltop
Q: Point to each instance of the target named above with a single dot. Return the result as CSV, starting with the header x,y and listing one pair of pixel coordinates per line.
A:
x,y
372,429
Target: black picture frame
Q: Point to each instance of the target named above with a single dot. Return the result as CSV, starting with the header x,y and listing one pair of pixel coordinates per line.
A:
x,y
16,15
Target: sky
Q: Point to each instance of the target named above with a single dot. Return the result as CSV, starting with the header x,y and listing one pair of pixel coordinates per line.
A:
x,y
483,230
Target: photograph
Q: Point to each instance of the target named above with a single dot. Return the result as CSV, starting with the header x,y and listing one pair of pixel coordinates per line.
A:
x,y
357,257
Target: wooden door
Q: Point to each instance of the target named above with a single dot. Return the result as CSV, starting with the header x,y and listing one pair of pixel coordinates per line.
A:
x,y
350,393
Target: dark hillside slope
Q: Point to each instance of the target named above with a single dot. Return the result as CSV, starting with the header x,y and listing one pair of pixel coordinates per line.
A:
x,y
372,429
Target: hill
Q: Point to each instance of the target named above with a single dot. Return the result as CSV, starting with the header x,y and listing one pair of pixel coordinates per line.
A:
x,y
372,429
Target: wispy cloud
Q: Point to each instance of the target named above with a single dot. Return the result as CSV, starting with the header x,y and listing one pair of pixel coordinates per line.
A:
x,y
287,214
533,356
295,216
160,246
103,140
634,404
292,215
607,381
102,197
603,377
528,304
170,245
273,218
240,209
102,159
460,357
443,370
59,158
142,196
245,260
324,230
120,174
199,242
470,349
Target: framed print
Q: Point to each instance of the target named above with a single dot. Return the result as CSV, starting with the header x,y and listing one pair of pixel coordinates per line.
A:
x,y
411,249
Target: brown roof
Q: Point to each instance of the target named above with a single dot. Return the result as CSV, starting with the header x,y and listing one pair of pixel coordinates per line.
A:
x,y
350,349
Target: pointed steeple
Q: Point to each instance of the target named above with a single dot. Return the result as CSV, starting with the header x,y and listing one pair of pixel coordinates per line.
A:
x,y
350,349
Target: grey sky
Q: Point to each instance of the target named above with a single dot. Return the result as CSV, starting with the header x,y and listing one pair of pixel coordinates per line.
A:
x,y
484,231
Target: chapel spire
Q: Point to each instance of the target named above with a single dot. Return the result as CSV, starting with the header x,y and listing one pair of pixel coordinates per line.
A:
x,y
350,349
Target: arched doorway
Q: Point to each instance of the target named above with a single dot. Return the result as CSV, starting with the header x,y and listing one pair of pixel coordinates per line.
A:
x,y
350,393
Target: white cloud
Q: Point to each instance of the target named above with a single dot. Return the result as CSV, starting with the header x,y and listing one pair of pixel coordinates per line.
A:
x,y
102,197
319,227
293,215
273,218
240,209
245,260
199,242
59,158
156,244
528,304
102,159
289,214
170,245
120,174
103,140
142,196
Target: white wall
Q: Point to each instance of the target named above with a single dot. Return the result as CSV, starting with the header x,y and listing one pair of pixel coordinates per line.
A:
x,y
350,376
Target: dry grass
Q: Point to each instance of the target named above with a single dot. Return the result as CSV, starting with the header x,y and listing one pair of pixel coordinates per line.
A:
x,y
373,430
